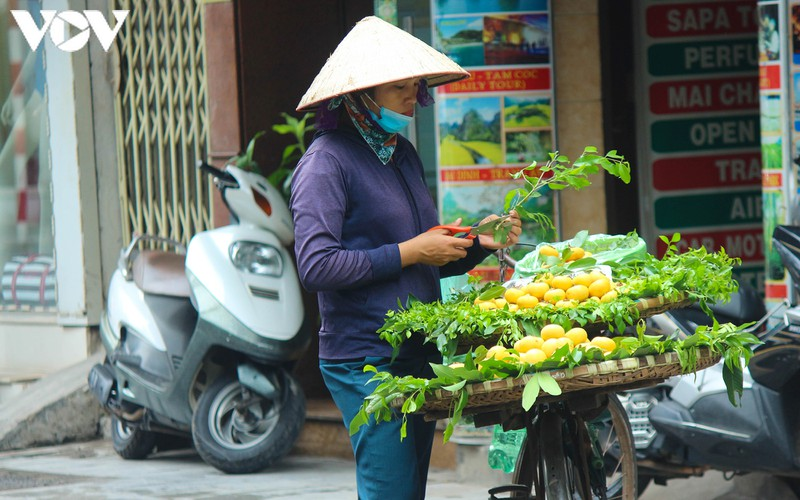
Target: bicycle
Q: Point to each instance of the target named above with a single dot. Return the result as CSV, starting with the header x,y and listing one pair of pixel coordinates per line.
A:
x,y
579,445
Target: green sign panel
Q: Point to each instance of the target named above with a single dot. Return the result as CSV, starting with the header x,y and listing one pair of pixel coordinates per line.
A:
x,y
706,57
743,207
700,134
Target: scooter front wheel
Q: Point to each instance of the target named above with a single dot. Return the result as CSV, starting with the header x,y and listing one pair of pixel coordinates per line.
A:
x,y
239,431
131,443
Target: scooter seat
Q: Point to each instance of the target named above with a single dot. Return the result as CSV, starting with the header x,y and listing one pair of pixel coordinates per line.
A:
x,y
161,273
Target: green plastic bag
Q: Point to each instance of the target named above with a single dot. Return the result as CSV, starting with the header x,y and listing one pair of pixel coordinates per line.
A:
x,y
452,285
604,248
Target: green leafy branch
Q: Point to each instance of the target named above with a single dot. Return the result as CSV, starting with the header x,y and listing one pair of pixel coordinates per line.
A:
x,y
409,394
298,128
557,174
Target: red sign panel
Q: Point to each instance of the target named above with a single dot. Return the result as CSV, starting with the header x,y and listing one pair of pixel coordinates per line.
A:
x,y
747,244
718,94
724,170
703,18
501,80
769,77
776,290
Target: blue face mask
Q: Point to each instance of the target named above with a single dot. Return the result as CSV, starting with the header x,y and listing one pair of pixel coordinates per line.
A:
x,y
390,121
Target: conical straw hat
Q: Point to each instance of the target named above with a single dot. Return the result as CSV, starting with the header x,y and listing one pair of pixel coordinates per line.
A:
x,y
376,52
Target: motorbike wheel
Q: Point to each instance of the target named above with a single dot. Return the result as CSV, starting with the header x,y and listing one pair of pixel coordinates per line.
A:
x,y
550,464
239,431
131,443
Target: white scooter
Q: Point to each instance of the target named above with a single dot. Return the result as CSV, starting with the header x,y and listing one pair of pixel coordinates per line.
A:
x,y
200,341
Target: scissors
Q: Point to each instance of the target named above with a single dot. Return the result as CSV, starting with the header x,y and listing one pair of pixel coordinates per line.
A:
x,y
472,231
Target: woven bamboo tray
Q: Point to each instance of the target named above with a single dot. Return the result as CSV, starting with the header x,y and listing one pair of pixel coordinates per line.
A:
x,y
646,307
611,376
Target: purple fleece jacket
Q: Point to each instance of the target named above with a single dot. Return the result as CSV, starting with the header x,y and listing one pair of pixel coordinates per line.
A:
x,y
350,212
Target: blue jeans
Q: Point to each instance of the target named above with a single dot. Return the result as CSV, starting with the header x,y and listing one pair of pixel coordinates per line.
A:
x,y
385,466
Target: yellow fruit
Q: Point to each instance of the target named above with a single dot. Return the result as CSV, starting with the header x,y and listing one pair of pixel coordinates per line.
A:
x,y
562,282
527,301
578,335
537,289
513,307
500,303
604,343
512,294
587,254
548,251
493,351
575,254
487,305
533,356
564,340
509,357
549,346
584,279
600,287
596,275
527,343
609,296
554,295
566,303
578,292
551,331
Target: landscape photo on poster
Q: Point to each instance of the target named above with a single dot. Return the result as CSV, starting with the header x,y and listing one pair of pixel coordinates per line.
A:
x,y
469,131
771,116
461,38
769,40
527,122
494,39
510,39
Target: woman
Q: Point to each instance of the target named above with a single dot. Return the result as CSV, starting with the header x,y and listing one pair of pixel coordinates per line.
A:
x,y
362,215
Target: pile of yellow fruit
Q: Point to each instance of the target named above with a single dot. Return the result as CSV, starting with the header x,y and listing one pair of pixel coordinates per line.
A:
x,y
561,291
534,349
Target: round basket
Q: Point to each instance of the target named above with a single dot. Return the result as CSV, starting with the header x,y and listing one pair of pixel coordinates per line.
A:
x,y
646,307
613,376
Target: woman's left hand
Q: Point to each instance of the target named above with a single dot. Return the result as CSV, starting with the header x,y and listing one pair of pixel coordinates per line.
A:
x,y
515,223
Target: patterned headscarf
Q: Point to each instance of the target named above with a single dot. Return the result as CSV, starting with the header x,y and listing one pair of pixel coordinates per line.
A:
x,y
381,142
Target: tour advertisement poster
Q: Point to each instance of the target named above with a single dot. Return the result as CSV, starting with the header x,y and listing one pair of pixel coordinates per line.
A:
x,y
501,119
772,63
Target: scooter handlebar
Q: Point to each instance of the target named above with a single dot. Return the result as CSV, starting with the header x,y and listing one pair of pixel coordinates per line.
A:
x,y
217,174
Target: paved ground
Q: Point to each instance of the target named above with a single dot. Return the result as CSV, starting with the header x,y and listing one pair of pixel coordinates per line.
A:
x,y
93,471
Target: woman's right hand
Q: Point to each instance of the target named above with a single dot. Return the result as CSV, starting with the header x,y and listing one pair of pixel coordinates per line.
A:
x,y
434,248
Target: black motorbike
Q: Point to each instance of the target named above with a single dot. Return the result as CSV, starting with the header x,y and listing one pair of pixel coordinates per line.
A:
x,y
687,425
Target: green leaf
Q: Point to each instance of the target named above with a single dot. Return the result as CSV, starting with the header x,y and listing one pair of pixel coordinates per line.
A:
x,y
360,419
548,384
492,292
444,372
530,393
734,383
455,387
283,129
